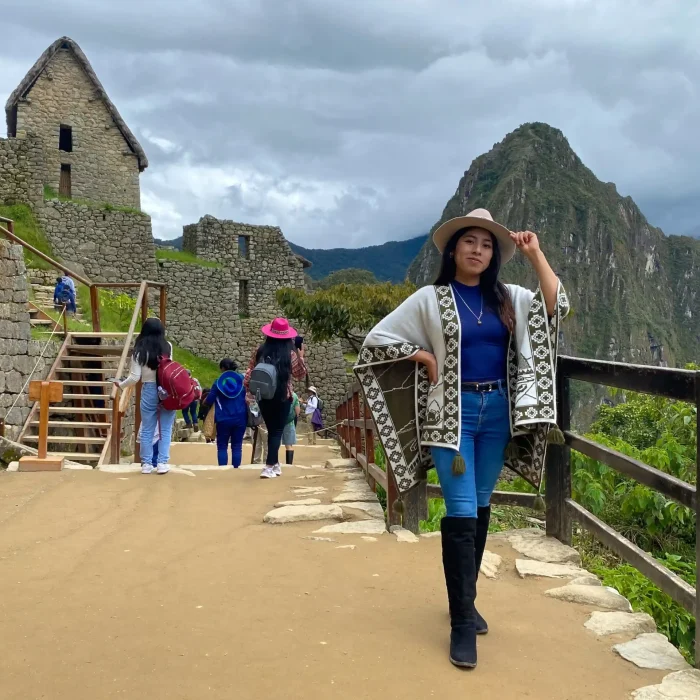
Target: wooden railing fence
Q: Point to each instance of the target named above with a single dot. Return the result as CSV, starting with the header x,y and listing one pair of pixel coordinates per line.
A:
x,y
356,434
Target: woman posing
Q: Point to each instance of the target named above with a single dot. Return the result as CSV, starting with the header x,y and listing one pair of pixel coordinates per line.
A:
x,y
278,351
227,395
483,381
150,346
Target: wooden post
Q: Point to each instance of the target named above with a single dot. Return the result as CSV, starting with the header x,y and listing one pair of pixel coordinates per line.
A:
x,y
697,527
115,445
144,306
163,303
65,320
392,495
558,471
356,430
415,506
45,393
369,445
95,308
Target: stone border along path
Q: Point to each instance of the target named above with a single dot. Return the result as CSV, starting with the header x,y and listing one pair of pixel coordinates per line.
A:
x,y
358,511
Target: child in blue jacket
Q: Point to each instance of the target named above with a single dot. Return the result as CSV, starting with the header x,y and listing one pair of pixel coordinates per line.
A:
x,y
227,395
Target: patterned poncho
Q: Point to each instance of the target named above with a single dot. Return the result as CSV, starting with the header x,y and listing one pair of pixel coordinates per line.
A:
x,y
412,415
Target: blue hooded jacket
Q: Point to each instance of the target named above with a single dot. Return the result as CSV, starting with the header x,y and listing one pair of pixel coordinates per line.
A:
x,y
228,397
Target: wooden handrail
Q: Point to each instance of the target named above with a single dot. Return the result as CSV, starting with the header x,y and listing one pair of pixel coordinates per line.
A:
x,y
43,256
129,335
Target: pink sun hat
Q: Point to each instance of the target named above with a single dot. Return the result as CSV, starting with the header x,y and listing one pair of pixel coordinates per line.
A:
x,y
279,328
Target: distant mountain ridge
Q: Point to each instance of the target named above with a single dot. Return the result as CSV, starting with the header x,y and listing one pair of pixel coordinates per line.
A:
x,y
388,262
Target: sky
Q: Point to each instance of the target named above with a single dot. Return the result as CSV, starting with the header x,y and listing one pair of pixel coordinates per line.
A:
x,y
350,123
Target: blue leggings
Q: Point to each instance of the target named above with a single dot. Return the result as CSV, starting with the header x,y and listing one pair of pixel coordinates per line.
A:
x,y
228,432
485,434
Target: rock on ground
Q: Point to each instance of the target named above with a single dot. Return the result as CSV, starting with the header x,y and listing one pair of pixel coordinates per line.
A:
x,y
295,514
374,510
490,564
309,490
682,685
588,579
357,491
652,650
430,535
320,539
302,502
536,545
529,567
361,527
600,597
605,623
342,464
403,535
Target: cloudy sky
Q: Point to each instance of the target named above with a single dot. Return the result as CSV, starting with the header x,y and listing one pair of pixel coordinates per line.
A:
x,y
350,122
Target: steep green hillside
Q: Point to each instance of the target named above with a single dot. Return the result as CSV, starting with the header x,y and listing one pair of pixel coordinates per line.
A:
x,y
631,287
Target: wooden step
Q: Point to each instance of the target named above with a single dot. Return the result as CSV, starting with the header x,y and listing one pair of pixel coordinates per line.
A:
x,y
73,424
68,439
97,349
79,382
79,410
87,358
78,456
84,370
86,397
41,322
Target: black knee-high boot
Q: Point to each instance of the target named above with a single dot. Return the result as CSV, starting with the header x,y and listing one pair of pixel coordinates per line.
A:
x,y
290,457
458,560
483,516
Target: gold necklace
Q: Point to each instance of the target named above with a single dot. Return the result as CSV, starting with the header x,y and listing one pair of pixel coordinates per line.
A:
x,y
481,313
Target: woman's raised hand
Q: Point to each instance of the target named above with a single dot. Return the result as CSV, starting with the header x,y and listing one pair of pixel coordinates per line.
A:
x,y
428,359
527,243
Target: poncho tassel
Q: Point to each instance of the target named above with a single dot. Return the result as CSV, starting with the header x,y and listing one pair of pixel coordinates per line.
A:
x,y
458,465
398,506
555,437
539,504
512,450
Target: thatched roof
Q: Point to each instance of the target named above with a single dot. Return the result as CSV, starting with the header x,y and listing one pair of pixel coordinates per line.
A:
x,y
37,69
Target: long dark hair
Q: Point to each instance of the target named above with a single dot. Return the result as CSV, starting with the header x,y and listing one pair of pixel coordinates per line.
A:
x,y
150,344
278,352
495,293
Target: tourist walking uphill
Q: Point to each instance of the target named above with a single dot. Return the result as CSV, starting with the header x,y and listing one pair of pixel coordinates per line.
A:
x,y
150,347
228,395
478,391
272,368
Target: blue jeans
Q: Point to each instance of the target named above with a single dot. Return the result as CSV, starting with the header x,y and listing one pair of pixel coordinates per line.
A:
x,y
151,413
189,413
485,434
229,432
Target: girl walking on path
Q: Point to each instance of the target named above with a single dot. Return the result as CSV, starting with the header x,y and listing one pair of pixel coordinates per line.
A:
x,y
478,391
279,352
150,346
227,395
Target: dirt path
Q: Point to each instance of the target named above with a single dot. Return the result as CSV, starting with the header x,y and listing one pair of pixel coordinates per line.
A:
x,y
128,586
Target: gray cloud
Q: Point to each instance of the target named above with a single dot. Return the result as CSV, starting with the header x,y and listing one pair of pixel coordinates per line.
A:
x,y
351,123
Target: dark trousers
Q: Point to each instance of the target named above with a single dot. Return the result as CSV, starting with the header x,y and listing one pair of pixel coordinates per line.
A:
x,y
229,432
189,413
154,461
275,414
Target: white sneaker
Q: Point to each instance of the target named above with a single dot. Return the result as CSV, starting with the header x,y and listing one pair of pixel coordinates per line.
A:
x,y
277,469
268,473
147,469
162,469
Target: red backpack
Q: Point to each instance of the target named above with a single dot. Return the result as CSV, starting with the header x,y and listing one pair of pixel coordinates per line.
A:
x,y
176,382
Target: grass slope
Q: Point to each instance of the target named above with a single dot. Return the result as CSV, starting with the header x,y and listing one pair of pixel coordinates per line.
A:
x,y
27,228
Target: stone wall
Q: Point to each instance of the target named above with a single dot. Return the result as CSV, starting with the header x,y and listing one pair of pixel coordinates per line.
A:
x,y
19,354
110,245
103,167
257,255
21,161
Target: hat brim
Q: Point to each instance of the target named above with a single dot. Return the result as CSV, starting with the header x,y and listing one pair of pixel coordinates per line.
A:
x,y
289,333
444,232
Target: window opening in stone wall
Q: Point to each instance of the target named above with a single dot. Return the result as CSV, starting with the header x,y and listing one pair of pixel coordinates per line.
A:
x,y
244,246
64,185
243,305
65,139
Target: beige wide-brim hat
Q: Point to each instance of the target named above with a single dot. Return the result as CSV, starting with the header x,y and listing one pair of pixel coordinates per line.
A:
x,y
480,218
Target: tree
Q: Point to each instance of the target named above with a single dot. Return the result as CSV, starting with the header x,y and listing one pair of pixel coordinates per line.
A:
x,y
344,311
351,275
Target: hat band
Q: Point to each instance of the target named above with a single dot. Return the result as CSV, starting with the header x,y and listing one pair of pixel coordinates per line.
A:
x,y
276,332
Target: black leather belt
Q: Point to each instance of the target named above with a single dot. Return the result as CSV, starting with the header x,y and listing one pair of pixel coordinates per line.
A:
x,y
481,386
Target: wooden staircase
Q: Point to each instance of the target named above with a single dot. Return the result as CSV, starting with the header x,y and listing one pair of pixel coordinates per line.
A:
x,y
80,428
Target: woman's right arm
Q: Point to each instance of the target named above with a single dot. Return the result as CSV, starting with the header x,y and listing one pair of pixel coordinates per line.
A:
x,y
428,359
134,375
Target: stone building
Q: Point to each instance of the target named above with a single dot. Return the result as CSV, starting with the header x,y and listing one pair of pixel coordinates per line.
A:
x,y
88,150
